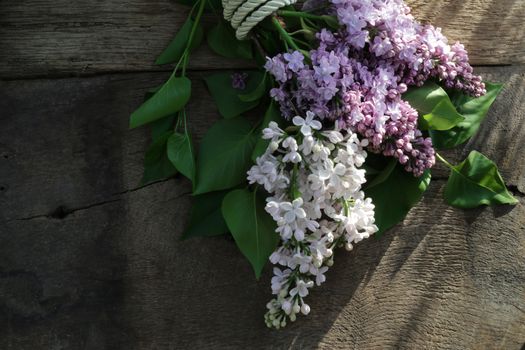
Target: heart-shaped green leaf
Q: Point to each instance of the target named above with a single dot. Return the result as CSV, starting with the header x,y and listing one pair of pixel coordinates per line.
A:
x,y
476,181
227,98
394,196
443,117
181,155
251,227
222,40
170,98
257,93
161,126
224,155
434,106
425,98
157,166
383,175
206,216
177,46
474,110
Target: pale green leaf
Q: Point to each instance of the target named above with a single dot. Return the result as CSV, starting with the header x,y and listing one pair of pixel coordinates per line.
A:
x,y
394,196
224,155
177,46
206,216
476,181
252,228
157,166
181,155
222,40
474,110
227,98
170,98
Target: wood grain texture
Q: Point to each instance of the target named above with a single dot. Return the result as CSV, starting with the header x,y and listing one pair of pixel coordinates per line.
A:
x,y
90,261
70,145
491,30
124,281
63,37
57,38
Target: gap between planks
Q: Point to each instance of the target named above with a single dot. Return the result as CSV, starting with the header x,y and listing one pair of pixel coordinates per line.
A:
x,y
145,71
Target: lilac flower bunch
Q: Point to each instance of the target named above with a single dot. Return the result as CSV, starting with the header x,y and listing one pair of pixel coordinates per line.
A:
x,y
357,77
314,179
343,93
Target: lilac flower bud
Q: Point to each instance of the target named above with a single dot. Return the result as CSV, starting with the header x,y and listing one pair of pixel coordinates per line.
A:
x,y
305,309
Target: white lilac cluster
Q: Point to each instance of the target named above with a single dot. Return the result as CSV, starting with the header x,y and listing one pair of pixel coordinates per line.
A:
x,y
314,180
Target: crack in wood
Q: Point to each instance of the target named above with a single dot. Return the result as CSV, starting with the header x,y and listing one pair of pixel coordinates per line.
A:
x,y
61,212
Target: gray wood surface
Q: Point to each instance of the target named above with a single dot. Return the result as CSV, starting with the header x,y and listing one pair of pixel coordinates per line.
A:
x,y
71,37
89,260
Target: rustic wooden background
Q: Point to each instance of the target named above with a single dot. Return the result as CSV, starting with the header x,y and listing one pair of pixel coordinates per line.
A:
x,y
89,260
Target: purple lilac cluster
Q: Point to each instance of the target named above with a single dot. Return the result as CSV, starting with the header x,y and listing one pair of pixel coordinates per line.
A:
x,y
387,30
357,77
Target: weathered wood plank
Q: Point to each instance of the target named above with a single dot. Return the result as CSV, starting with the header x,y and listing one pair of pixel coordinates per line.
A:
x,y
47,38
89,261
82,123
65,142
116,276
491,30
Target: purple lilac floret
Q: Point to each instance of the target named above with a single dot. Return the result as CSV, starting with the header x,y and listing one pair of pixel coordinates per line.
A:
x,y
358,75
239,80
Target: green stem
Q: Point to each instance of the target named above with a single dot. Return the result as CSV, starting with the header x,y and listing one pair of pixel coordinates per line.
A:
x,y
286,13
192,34
294,191
438,156
284,35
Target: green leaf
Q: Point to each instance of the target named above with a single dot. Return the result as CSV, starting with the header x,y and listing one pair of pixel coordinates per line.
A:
x,y
206,216
474,110
257,93
394,196
161,126
227,98
370,170
181,155
222,40
170,98
434,106
425,98
224,155
176,48
383,175
443,117
251,227
272,114
476,181
266,37
157,166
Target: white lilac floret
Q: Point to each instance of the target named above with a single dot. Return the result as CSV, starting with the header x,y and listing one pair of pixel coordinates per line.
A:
x,y
314,180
